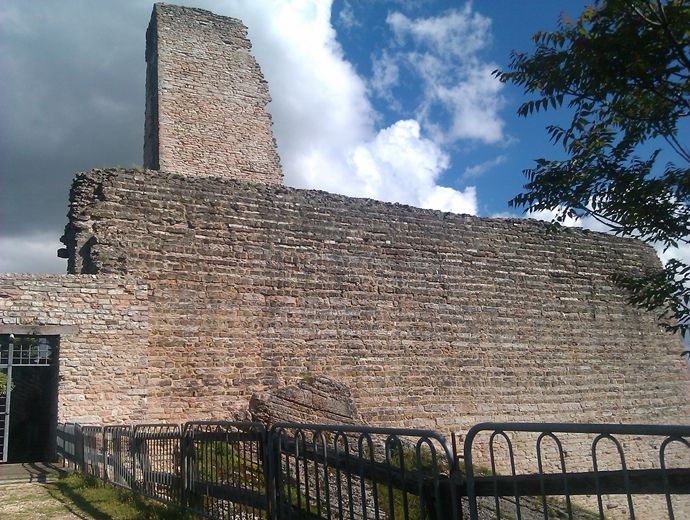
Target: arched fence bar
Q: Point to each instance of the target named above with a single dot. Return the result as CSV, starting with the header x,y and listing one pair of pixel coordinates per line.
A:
x,y
226,469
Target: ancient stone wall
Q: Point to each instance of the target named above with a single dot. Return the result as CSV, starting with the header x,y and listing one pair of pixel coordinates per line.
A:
x,y
432,319
103,327
215,284
206,98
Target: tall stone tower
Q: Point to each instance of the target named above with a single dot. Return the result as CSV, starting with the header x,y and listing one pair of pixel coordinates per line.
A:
x,y
206,98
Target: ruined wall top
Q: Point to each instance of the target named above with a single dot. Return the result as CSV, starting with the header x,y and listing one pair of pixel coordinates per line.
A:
x,y
206,98
431,319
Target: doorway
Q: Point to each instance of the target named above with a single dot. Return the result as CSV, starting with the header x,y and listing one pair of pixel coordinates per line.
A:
x,y
28,397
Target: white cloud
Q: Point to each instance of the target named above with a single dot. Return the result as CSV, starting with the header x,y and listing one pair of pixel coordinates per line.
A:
x,y
477,170
324,123
681,253
35,253
443,52
347,17
447,199
586,222
385,76
399,165
459,32
474,103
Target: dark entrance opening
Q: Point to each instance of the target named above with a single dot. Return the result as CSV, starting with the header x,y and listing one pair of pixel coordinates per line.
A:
x,y
29,363
30,415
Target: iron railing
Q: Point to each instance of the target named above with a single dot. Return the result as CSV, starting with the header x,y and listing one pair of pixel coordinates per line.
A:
x,y
67,442
118,456
360,472
157,461
226,470
582,466
92,450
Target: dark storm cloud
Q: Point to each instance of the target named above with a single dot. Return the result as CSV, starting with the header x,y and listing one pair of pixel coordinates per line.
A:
x,y
71,98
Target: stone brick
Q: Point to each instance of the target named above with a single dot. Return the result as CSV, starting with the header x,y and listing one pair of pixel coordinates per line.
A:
x,y
430,318
93,360
311,400
206,98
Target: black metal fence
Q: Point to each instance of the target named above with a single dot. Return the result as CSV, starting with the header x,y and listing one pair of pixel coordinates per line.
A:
x,y
227,470
353,472
578,470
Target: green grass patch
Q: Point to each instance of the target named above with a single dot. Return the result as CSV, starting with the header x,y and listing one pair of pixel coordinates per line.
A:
x,y
413,460
227,463
103,501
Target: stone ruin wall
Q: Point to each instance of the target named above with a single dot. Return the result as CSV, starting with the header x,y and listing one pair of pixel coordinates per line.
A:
x,y
214,284
102,322
280,304
431,319
206,98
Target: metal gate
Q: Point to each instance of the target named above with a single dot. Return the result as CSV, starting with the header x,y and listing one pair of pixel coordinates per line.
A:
x,y
19,351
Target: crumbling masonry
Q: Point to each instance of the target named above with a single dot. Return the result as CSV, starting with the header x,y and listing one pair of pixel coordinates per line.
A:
x,y
202,281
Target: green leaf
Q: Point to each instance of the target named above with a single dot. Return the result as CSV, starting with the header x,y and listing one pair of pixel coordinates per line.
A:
x,y
625,81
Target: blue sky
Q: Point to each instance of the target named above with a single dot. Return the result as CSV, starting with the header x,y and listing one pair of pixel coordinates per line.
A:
x,y
493,166
392,100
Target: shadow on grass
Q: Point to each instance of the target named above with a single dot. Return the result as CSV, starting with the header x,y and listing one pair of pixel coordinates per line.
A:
x,y
87,495
75,503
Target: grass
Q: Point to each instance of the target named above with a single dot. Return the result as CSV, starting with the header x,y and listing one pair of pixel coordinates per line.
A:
x,y
228,462
101,501
90,497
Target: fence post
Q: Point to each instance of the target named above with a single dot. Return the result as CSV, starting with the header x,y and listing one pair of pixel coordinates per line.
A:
x,y
272,469
469,471
103,452
79,448
132,453
439,498
105,456
184,503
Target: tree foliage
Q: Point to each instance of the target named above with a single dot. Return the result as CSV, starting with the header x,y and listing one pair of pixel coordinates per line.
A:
x,y
3,383
623,70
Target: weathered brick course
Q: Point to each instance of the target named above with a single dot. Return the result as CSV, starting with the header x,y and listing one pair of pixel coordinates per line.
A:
x,y
206,98
201,282
432,319
102,322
